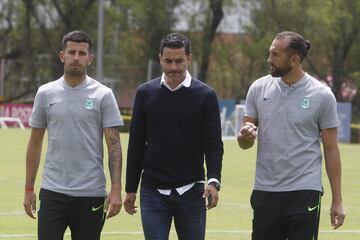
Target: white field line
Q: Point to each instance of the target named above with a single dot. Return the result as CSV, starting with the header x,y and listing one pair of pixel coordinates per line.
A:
x,y
235,232
11,213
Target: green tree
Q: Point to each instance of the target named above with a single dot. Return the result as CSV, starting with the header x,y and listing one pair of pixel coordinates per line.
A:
x,y
213,19
338,25
331,26
135,37
33,30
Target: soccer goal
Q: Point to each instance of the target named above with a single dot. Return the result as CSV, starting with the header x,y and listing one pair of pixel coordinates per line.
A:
x,y
231,124
4,121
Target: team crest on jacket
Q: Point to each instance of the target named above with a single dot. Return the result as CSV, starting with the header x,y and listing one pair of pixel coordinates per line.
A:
x,y
305,103
89,103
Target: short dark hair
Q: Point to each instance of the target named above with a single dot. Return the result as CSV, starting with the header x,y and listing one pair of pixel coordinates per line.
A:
x,y
175,41
297,44
77,36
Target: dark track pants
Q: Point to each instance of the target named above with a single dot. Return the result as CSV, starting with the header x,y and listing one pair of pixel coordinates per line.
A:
x,y
83,215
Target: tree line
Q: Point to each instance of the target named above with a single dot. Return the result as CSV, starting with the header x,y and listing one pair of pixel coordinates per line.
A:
x,y
31,31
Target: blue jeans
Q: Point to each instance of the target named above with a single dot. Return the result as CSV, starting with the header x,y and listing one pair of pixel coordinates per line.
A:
x,y
188,211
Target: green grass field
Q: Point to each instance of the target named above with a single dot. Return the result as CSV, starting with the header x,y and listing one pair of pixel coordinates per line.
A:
x,y
230,220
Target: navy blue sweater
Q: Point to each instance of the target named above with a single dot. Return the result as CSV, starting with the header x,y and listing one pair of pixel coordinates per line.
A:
x,y
171,134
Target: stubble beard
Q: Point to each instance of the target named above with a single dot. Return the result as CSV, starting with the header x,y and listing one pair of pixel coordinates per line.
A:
x,y
175,77
279,72
76,72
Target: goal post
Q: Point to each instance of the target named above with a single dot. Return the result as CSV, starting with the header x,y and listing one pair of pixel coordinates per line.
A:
x,y
5,120
231,124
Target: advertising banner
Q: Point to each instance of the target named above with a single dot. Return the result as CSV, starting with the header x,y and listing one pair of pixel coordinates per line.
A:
x,y
21,111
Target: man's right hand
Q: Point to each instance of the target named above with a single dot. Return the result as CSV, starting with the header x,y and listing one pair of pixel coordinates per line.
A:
x,y
247,135
249,131
30,203
129,203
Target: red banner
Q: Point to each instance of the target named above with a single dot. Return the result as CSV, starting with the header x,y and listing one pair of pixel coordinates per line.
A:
x,y
21,111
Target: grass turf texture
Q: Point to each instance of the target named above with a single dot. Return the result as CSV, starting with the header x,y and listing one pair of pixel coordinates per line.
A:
x,y
230,220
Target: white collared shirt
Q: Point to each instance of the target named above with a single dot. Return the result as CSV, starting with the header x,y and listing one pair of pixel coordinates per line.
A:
x,y
186,187
181,190
185,83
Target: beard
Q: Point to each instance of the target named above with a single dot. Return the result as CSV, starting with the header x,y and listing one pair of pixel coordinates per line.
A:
x,y
279,71
175,76
75,71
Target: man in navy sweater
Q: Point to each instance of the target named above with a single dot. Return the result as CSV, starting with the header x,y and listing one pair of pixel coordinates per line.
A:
x,y
175,127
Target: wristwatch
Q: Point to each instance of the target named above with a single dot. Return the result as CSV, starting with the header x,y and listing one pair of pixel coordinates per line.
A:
x,y
216,185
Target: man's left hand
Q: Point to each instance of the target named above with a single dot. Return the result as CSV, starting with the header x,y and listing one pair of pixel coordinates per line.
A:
x,y
211,193
337,215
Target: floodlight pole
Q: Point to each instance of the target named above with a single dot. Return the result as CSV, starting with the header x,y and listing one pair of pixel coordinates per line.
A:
x,y
100,43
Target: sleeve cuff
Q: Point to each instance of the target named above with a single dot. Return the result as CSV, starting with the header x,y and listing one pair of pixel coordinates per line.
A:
x,y
213,180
